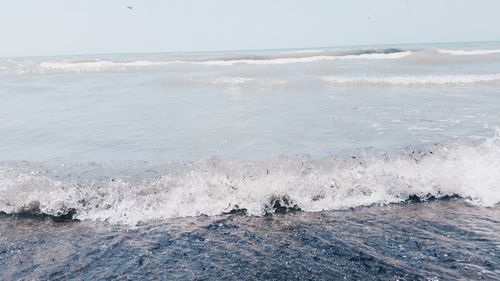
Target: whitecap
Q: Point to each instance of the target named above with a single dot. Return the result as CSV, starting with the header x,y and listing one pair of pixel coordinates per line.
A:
x,y
469,52
213,187
414,80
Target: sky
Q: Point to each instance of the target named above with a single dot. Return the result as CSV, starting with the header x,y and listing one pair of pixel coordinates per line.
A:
x,y
63,27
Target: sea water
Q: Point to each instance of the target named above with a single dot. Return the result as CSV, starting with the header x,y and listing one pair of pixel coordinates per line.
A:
x,y
148,142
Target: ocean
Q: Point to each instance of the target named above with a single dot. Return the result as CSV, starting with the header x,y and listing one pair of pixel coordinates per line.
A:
x,y
347,163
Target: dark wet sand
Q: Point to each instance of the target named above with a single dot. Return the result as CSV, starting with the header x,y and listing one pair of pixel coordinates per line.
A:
x,y
445,240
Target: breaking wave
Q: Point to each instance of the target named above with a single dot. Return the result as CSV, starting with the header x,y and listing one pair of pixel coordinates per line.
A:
x,y
213,187
415,80
289,58
308,59
469,52
101,65
258,58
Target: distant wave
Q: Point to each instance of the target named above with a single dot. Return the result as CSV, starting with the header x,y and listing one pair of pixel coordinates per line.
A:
x,y
101,65
288,60
414,80
214,187
138,63
305,51
107,65
469,52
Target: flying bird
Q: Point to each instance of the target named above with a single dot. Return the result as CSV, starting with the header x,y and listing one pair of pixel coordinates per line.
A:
x,y
129,7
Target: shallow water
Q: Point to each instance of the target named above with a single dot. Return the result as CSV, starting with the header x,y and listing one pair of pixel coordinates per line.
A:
x,y
127,138
164,107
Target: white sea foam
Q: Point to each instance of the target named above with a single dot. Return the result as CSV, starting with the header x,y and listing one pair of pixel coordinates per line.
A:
x,y
308,59
469,52
216,186
101,65
237,83
231,81
414,128
415,80
107,65
311,51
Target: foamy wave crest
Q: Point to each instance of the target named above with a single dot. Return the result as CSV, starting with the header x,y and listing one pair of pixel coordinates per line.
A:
x,y
415,80
308,59
469,52
214,186
101,65
106,65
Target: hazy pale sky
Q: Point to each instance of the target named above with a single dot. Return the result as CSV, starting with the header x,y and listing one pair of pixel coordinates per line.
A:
x,y
57,27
